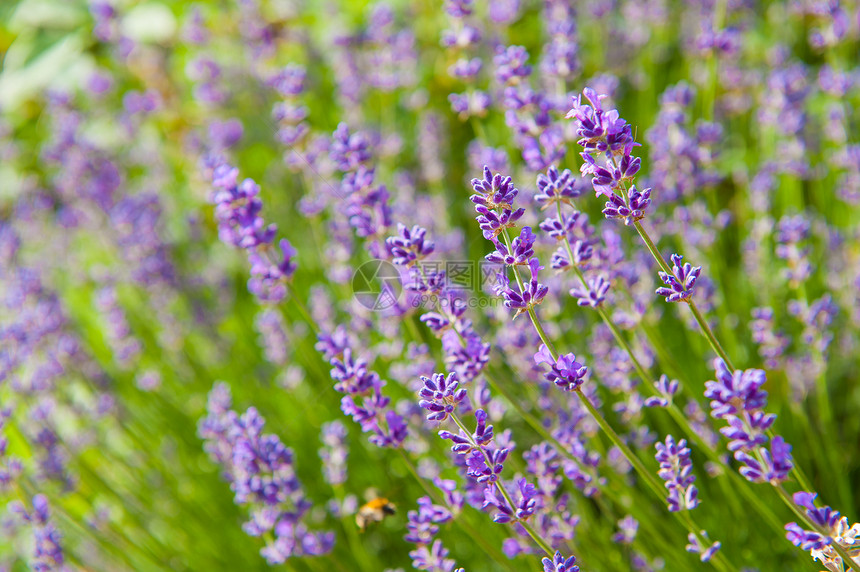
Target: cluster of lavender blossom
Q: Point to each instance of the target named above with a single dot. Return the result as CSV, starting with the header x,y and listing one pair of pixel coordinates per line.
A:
x,y
532,394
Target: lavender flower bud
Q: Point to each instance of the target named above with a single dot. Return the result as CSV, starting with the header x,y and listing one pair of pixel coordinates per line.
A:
x,y
593,293
555,186
667,389
559,563
696,547
676,469
680,284
440,395
521,249
565,372
409,246
735,392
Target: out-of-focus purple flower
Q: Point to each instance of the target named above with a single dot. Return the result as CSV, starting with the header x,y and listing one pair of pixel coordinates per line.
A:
x,y
440,395
696,547
269,276
511,66
667,389
349,150
627,530
432,557
270,325
474,103
409,245
423,524
592,293
237,208
334,452
47,551
559,563
261,474
679,284
676,469
565,372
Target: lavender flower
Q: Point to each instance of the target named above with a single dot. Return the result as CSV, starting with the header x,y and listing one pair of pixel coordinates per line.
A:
x,y
410,246
261,474
679,284
559,563
667,389
593,293
833,529
47,550
565,372
423,524
520,253
604,133
735,392
556,187
528,296
511,66
440,395
696,547
676,469
632,209
334,452
738,399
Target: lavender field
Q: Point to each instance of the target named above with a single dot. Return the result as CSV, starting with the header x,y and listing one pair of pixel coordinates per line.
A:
x,y
445,285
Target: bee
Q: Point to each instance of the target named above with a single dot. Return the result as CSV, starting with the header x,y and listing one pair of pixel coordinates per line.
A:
x,y
374,510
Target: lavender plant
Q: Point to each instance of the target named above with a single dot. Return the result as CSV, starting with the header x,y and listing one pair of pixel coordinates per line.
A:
x,y
371,224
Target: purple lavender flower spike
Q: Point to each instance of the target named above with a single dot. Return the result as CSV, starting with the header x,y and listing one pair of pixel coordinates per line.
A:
x,y
440,395
696,547
521,250
833,529
556,186
433,557
628,527
261,474
409,246
511,66
679,285
565,372
559,563
667,389
423,524
47,550
531,295
735,392
594,294
493,191
601,131
774,467
676,469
